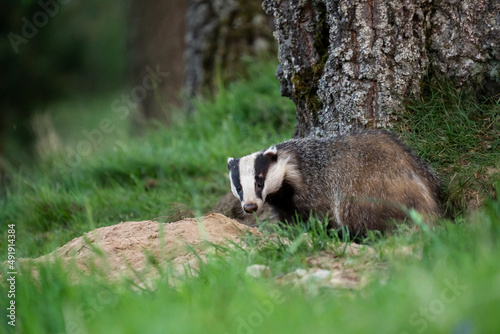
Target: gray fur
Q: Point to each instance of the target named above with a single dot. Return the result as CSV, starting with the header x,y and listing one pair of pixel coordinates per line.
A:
x,y
361,180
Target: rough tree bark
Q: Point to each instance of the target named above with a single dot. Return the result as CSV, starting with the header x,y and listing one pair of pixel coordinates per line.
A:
x,y
156,41
197,42
350,64
220,33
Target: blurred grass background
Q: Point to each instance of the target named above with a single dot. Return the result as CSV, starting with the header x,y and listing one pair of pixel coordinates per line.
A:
x,y
137,178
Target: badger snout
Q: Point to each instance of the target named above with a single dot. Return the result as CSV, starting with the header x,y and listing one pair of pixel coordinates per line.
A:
x,y
250,208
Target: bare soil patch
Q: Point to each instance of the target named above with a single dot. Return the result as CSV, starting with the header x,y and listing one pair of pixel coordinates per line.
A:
x,y
128,249
139,250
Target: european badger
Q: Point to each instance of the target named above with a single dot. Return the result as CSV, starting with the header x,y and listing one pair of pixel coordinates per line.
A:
x,y
361,180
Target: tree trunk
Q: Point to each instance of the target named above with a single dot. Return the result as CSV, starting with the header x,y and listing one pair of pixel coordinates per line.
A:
x,y
350,64
156,43
220,34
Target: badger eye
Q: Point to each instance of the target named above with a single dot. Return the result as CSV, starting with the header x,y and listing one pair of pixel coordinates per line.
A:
x,y
260,184
238,188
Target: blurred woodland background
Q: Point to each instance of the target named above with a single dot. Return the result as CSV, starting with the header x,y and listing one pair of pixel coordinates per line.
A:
x,y
141,59
73,71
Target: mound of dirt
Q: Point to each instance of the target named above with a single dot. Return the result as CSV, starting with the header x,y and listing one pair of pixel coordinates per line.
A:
x,y
128,249
137,251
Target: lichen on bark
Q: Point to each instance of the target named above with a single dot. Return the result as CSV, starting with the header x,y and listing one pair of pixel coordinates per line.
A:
x,y
350,64
465,42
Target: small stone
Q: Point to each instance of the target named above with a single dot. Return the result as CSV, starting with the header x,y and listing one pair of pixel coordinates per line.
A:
x,y
258,270
301,272
321,275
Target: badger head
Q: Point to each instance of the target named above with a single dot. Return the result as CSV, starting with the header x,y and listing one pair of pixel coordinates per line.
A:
x,y
255,176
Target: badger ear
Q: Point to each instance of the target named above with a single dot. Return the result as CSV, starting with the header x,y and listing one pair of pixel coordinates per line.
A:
x,y
229,163
272,154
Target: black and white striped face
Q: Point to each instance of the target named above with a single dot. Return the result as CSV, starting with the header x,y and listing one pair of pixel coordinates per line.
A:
x,y
254,176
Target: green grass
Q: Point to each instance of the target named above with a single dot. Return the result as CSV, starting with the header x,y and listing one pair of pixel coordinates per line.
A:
x,y
451,287
440,280
460,138
142,177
